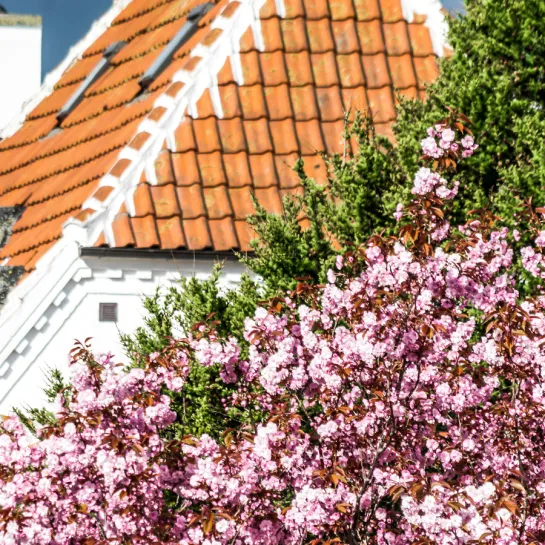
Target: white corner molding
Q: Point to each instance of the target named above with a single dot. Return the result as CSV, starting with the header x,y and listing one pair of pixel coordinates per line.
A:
x,y
435,20
75,53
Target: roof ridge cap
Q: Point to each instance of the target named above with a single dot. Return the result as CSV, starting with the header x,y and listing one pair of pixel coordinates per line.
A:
x,y
76,51
205,61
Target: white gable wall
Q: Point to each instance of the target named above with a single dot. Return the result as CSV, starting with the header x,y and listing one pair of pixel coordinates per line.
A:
x,y
20,67
74,314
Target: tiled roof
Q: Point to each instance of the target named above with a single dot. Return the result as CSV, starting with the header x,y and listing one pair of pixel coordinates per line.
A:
x,y
302,63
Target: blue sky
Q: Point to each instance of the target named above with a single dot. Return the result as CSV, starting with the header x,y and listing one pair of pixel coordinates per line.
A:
x,y
66,21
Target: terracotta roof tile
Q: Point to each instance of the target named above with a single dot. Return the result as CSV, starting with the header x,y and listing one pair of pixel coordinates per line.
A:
x,y
140,140
186,168
294,35
315,168
341,9
245,235
217,202
420,40
101,241
299,68
324,69
284,166
381,104
231,135
164,200
345,36
355,99
333,132
370,35
230,9
319,36
319,60
241,198
316,9
205,108
367,9
247,41
263,170
329,102
385,129
270,199
225,75
293,192
196,234
304,104
294,8
184,136
426,69
391,10
272,35
397,38
350,70
237,169
163,168
251,71
278,102
211,169
268,10
402,71
145,232
376,70
142,200
273,68
121,227
223,233
206,135
410,92
230,101
310,136
191,201
253,101
170,233
283,135
257,136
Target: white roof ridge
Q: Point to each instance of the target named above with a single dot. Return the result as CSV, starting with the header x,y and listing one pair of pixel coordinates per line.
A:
x,y
74,53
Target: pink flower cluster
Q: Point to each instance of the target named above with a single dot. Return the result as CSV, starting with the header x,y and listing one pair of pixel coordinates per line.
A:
x,y
97,476
441,140
403,402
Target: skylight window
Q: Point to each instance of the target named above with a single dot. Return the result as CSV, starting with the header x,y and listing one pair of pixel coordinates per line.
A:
x,y
95,74
184,34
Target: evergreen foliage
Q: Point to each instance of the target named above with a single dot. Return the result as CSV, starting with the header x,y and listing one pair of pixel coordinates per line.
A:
x,y
496,76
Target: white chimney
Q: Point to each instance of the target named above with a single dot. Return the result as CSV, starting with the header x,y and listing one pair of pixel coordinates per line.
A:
x,y
20,62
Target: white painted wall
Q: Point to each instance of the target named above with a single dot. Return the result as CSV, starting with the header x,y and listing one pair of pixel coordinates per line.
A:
x,y
20,67
75,315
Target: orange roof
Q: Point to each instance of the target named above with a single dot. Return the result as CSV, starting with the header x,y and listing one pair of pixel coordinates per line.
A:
x,y
281,98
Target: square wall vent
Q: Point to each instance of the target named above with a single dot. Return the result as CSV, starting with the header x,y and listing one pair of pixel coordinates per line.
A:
x,y
107,312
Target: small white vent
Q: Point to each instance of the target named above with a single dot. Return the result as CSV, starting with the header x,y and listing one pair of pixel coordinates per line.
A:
x,y
107,312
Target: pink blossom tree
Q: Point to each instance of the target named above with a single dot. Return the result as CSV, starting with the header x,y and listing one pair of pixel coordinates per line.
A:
x,y
402,403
